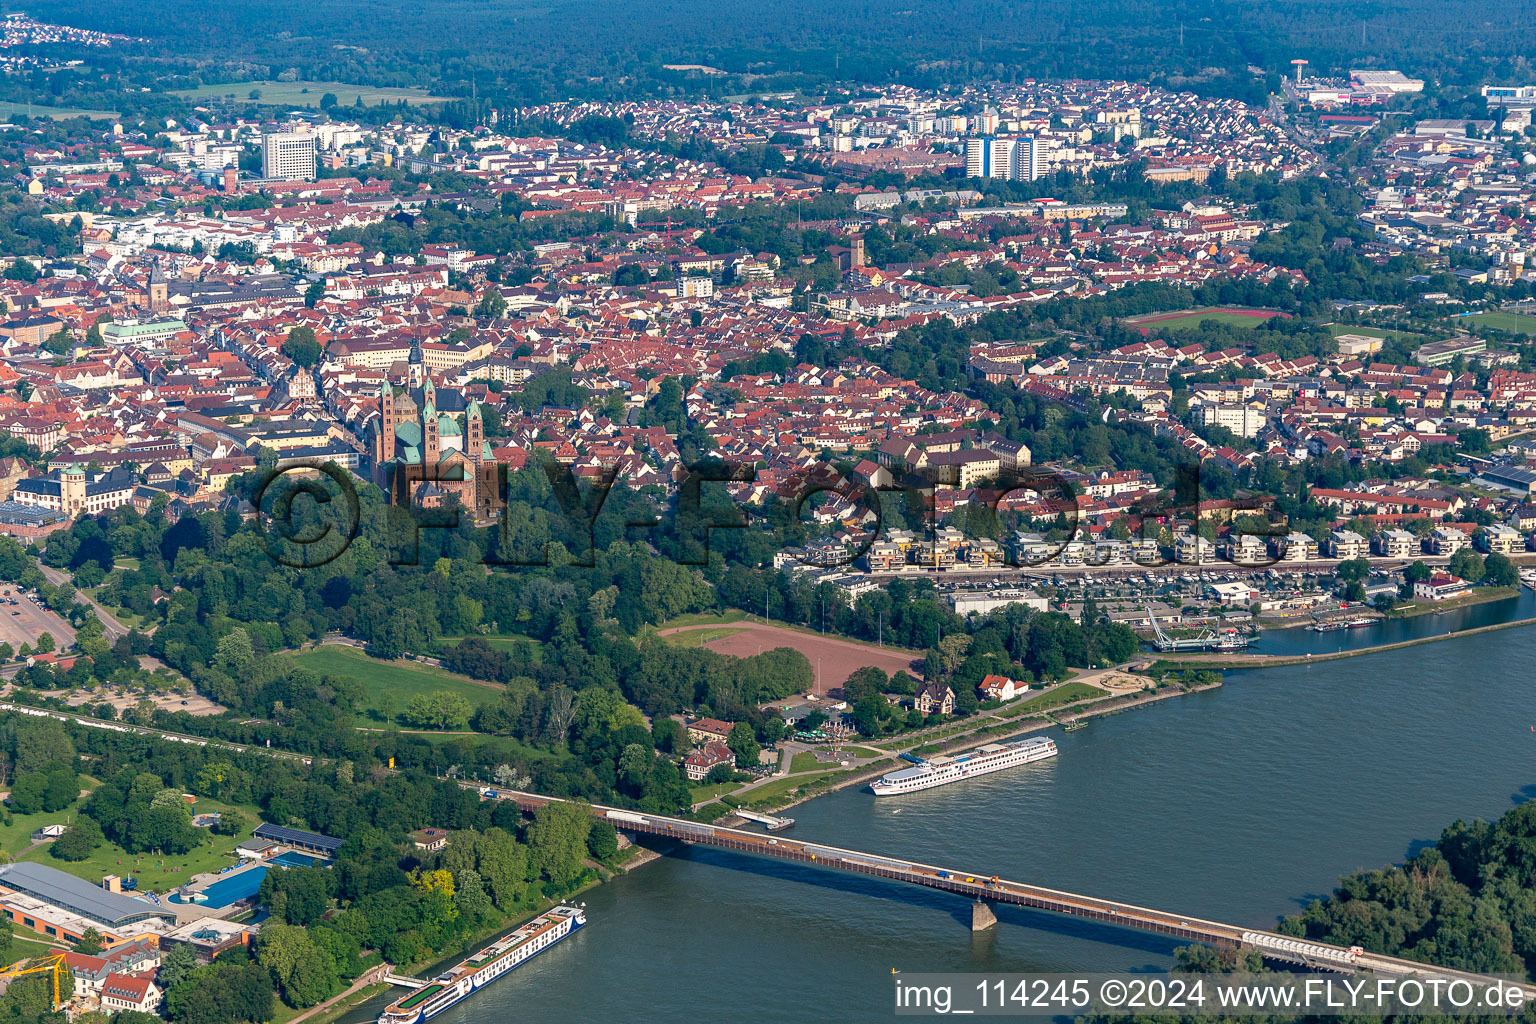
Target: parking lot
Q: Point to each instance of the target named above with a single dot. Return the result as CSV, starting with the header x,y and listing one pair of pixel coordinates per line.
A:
x,y
26,620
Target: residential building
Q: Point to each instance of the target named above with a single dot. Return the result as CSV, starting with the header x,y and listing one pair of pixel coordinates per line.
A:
x,y
429,839
130,992
288,156
934,699
996,687
700,762
702,730
1500,538
1347,544
1397,544
1447,541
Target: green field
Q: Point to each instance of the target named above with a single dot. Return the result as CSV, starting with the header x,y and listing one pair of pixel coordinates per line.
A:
x,y
1384,333
389,685
154,872
700,637
1064,694
1188,320
805,761
1516,323
704,619
308,94
8,108
501,642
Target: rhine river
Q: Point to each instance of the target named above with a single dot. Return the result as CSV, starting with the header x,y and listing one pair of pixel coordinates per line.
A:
x,y
1239,804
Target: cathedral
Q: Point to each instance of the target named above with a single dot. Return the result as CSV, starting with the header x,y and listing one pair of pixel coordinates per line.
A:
x,y
421,455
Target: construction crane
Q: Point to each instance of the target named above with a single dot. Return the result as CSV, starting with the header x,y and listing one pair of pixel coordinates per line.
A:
x,y
53,963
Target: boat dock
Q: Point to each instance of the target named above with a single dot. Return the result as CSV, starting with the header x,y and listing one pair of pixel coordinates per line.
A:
x,y
768,821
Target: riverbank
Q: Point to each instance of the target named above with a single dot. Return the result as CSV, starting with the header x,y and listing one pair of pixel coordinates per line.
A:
x,y
1003,729
367,988
1219,661
1479,595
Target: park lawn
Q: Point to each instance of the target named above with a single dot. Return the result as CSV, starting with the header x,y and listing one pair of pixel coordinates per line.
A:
x,y
499,641
778,789
127,562
704,619
1064,694
389,685
8,108
711,790
123,615
700,637
862,751
1518,323
308,93
805,761
156,873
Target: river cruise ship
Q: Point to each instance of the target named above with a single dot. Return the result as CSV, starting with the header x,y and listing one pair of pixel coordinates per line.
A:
x,y
505,954
940,771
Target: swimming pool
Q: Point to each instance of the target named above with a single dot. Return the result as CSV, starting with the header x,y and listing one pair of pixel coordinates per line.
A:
x,y
247,883
229,890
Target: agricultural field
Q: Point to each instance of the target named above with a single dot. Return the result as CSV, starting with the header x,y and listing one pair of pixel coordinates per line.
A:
x,y
1517,323
389,685
7,109
308,94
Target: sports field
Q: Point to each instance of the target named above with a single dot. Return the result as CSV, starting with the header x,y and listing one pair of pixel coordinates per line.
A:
x,y
308,94
838,658
1518,323
1186,319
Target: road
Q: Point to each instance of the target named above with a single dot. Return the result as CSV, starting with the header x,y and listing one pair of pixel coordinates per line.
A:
x,y
111,627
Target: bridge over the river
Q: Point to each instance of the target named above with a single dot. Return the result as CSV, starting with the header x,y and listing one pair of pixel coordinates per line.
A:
x,y
984,891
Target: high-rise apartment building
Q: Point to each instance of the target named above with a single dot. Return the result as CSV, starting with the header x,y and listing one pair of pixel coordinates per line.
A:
x,y
288,155
1014,159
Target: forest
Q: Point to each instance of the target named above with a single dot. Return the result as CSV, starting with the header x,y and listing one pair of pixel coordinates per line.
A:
x,y
381,899
514,51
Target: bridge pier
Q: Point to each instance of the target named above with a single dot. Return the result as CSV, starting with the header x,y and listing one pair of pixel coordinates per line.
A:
x,y
982,916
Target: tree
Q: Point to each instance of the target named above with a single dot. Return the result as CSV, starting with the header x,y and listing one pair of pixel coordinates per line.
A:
x,y
298,896
603,841
438,710
470,897
314,293
557,841
1499,571
304,973
235,649
90,942
1467,564
177,963
302,347
743,743
45,643
76,844
491,304
222,993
